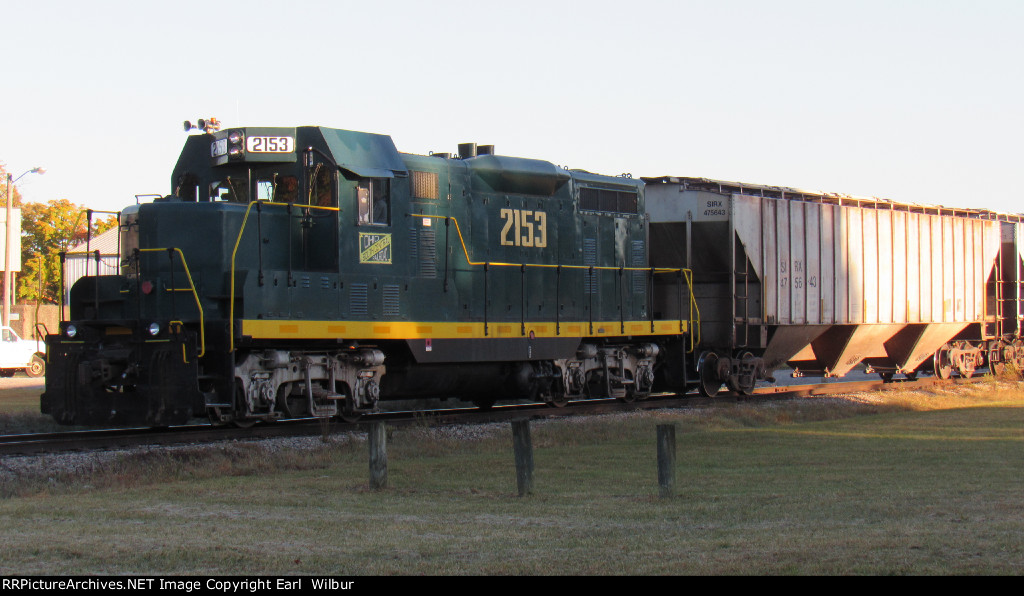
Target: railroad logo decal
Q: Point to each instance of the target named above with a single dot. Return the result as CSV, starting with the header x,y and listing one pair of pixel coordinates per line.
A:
x,y
375,248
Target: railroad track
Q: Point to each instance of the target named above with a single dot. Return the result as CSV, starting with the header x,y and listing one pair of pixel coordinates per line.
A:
x,y
108,439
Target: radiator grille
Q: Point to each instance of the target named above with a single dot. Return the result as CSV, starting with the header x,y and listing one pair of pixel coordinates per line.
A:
x,y
427,254
391,301
358,303
590,258
424,185
637,260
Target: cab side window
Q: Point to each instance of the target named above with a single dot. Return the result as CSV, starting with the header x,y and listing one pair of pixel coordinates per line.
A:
x,y
278,189
188,187
236,191
373,198
321,187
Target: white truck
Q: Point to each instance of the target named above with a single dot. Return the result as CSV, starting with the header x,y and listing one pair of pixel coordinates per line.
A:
x,y
19,354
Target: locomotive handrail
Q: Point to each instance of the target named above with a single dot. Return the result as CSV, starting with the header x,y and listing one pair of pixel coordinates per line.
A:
x,y
231,302
473,263
195,294
234,254
687,273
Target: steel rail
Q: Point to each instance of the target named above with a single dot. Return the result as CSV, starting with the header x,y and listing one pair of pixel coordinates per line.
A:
x,y
24,444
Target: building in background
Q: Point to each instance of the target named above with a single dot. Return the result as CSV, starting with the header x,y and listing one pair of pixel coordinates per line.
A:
x,y
81,259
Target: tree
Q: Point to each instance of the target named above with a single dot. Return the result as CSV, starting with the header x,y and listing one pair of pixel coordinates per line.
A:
x,y
47,230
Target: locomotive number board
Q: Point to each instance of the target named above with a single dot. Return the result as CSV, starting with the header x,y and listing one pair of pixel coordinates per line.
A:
x,y
261,144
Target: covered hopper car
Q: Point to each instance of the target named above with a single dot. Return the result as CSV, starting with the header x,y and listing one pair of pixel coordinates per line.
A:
x,y
319,272
823,282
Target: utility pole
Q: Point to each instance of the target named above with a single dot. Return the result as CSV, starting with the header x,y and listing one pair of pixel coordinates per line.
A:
x,y
9,244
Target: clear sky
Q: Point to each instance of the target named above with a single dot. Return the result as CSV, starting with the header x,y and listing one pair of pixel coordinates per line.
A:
x,y
916,101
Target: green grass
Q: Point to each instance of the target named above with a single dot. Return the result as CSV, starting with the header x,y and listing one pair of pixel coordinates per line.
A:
x,y
898,483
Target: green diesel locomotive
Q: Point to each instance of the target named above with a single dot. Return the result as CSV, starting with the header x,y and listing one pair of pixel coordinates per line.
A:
x,y
315,272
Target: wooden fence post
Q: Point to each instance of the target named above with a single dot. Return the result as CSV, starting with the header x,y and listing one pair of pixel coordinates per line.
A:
x,y
378,442
523,447
666,459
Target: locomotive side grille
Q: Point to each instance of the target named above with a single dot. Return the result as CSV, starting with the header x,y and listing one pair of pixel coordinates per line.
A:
x,y
305,281
427,254
590,258
358,302
637,260
610,201
390,301
325,283
414,244
424,185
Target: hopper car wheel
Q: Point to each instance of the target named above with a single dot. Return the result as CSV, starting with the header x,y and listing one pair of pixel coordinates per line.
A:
x,y
707,371
943,367
886,377
996,366
744,388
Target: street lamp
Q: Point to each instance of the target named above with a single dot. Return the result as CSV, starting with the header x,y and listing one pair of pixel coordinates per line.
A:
x,y
8,245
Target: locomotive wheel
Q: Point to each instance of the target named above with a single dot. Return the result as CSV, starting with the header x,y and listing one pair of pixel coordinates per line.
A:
x,y
216,413
216,416
943,367
241,398
558,401
350,417
347,413
709,385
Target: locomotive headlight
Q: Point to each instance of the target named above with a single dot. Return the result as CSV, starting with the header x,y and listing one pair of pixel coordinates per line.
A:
x,y
235,143
71,331
154,328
